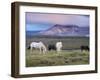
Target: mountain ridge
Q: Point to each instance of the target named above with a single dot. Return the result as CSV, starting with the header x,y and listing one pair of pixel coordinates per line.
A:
x,y
64,30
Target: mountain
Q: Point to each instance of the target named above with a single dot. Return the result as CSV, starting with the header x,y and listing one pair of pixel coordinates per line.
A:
x,y
66,30
61,30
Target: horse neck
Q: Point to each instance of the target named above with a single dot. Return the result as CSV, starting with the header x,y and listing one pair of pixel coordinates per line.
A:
x,y
44,47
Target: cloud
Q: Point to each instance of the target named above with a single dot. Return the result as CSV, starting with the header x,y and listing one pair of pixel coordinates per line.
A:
x,y
63,19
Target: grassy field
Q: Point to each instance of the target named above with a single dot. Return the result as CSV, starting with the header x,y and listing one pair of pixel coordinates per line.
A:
x,y
71,54
68,42
52,58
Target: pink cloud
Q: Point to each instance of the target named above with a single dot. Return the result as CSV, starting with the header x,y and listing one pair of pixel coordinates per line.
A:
x,y
63,19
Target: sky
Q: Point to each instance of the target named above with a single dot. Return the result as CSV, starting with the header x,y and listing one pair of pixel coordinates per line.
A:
x,y
43,21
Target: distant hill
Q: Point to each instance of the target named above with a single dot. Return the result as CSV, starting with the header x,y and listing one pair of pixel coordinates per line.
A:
x,y
64,30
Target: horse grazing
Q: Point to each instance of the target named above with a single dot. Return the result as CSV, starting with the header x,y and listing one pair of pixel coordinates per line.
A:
x,y
38,45
86,48
59,46
51,47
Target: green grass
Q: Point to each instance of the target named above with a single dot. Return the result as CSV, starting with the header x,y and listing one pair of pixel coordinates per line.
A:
x,y
52,58
68,42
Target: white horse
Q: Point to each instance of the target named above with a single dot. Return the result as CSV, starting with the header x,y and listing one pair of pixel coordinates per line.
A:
x,y
59,46
38,45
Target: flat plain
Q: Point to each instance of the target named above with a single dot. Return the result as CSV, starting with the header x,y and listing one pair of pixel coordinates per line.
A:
x,y
70,54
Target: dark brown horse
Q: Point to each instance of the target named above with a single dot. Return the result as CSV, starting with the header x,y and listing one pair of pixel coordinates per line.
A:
x,y
51,47
86,48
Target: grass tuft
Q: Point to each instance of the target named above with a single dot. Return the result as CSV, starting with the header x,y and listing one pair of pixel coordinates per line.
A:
x,y
52,58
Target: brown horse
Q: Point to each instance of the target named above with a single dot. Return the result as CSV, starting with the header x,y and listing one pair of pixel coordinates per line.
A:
x,y
86,48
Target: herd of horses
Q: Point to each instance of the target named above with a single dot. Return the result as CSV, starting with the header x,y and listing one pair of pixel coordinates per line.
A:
x,y
42,48
58,47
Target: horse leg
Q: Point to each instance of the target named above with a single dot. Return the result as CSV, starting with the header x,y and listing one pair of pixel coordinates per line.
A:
x,y
58,50
40,50
31,49
81,50
43,51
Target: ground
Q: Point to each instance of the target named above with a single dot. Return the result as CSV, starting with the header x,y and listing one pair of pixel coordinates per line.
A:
x,y
52,58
